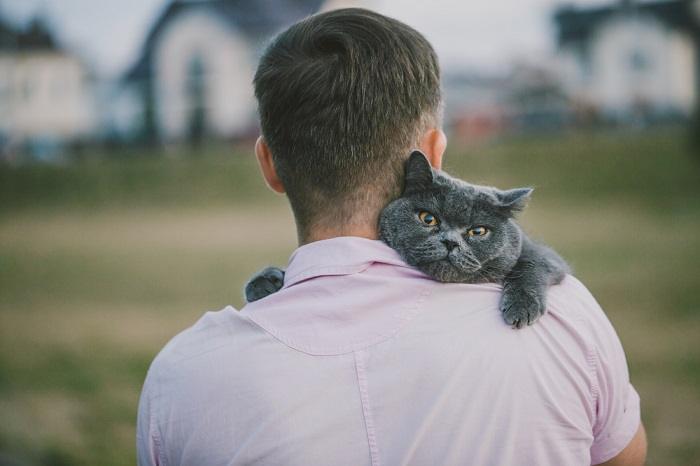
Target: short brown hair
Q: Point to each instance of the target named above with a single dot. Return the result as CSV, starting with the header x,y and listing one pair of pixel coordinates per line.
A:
x,y
343,96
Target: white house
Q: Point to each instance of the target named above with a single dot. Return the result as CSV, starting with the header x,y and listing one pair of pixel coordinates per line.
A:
x,y
194,75
45,92
631,59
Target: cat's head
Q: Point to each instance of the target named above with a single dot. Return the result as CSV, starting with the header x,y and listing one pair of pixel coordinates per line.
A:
x,y
452,230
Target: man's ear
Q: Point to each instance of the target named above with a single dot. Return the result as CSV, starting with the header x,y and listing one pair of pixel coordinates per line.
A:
x,y
433,144
267,167
513,200
419,175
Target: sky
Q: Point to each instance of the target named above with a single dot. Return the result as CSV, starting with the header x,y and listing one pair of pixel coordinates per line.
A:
x,y
471,34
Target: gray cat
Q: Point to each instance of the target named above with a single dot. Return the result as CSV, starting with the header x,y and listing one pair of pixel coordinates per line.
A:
x,y
457,232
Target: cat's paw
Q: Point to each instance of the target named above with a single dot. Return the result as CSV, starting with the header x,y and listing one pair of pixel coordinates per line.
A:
x,y
521,307
263,284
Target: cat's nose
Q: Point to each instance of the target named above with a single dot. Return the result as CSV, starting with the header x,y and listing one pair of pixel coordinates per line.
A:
x,y
449,244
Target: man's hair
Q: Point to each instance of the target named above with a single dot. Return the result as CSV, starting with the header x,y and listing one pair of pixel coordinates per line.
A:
x,y
343,96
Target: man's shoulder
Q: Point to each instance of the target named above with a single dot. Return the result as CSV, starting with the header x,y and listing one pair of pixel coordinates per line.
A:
x,y
572,288
573,316
215,332
572,300
568,301
573,311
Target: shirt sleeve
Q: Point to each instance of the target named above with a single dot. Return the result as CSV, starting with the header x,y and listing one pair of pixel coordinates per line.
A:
x,y
148,448
616,402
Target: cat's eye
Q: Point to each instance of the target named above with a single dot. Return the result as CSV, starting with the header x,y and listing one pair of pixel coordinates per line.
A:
x,y
427,218
477,231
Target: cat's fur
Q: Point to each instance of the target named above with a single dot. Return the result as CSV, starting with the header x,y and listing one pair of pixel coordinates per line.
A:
x,y
447,253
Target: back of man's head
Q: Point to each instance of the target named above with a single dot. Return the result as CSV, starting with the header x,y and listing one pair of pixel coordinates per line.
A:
x,y
343,96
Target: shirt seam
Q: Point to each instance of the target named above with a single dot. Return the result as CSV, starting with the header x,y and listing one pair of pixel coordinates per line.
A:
x,y
591,356
360,371
401,317
159,449
347,269
592,360
317,271
154,427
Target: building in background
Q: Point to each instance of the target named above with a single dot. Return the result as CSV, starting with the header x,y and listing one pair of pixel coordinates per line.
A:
x,y
193,78
475,108
627,62
45,92
528,98
630,61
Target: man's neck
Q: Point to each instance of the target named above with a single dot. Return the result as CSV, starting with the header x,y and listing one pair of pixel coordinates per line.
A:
x,y
318,233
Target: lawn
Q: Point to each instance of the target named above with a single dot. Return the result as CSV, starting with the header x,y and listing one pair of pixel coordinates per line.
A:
x,y
104,259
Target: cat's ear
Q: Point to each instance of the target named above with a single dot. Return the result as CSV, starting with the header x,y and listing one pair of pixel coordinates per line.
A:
x,y
419,174
513,200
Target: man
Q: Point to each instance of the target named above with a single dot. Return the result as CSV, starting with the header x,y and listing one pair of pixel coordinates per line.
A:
x,y
361,359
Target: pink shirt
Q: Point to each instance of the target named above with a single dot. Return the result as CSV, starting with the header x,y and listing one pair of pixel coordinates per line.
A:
x,y
361,359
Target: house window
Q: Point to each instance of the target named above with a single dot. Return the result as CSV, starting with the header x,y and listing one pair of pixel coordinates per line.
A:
x,y
196,99
585,67
639,61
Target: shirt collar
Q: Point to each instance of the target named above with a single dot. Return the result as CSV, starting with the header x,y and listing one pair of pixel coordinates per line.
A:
x,y
343,255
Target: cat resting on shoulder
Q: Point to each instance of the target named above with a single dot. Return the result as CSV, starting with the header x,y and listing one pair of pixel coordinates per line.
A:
x,y
458,232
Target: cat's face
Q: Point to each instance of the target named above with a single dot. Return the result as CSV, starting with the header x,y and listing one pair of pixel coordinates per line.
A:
x,y
452,230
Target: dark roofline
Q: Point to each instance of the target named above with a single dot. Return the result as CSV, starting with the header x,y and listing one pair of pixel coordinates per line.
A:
x,y
576,25
140,69
36,36
256,19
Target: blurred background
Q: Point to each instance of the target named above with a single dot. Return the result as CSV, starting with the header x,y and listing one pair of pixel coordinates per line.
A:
x,y
130,201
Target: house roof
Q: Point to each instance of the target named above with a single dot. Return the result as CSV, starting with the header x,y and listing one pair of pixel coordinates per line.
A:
x,y
256,19
36,36
576,25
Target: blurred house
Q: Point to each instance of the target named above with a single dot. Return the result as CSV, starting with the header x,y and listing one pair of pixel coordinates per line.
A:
x,y
528,98
631,61
475,108
535,99
45,92
193,78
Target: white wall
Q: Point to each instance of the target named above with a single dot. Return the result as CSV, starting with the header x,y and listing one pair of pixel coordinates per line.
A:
x,y
44,94
229,68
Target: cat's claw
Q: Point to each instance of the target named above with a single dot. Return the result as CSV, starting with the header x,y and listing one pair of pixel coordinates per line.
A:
x,y
265,283
521,307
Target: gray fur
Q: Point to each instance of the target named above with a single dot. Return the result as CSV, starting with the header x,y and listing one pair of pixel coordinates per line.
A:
x,y
447,253
267,281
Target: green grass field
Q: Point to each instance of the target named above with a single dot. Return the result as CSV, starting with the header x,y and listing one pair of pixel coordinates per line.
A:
x,y
103,260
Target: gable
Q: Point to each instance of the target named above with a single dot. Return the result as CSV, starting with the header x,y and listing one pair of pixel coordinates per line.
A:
x,y
576,27
253,19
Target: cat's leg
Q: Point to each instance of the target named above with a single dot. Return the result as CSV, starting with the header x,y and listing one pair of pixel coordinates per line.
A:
x,y
264,283
525,287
